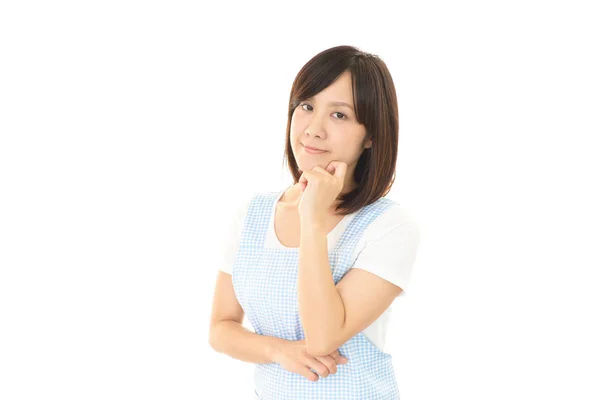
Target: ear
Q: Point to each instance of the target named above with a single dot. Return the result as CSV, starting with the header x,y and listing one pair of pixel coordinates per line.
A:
x,y
368,143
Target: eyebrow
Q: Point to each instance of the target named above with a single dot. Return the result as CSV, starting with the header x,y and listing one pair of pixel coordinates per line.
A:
x,y
336,103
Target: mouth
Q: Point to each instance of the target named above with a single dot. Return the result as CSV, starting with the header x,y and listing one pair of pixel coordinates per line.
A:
x,y
312,150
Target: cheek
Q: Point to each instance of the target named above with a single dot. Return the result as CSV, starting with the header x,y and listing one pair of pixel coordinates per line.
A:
x,y
295,124
295,134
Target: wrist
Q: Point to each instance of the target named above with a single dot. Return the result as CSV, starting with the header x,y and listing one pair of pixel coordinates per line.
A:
x,y
274,348
312,224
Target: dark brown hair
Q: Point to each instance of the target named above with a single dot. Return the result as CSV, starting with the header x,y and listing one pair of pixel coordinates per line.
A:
x,y
376,108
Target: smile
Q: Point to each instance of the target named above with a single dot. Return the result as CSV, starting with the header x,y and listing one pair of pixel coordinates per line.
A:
x,y
310,151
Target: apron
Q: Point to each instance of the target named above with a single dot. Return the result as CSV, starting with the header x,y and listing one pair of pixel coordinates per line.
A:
x,y
265,283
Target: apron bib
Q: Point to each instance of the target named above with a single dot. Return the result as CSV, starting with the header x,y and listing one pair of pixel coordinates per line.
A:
x,y
265,281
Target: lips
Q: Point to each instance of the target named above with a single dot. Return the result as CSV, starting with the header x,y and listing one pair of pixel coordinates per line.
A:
x,y
313,148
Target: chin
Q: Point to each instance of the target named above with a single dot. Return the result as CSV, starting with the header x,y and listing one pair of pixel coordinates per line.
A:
x,y
309,166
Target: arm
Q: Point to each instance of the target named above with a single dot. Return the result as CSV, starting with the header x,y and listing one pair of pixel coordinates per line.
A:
x,y
226,333
320,306
332,314
233,339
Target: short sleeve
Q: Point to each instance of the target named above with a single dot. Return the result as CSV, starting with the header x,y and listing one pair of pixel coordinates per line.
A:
x,y
232,236
392,255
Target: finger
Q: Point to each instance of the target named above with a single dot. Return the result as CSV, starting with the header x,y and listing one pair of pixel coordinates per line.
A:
x,y
339,359
317,366
321,170
303,180
325,174
329,362
335,172
335,168
330,168
320,174
307,373
340,169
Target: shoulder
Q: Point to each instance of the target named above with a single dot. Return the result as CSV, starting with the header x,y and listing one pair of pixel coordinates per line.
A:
x,y
394,219
389,244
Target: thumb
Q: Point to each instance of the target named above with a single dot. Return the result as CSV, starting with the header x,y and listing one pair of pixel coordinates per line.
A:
x,y
339,359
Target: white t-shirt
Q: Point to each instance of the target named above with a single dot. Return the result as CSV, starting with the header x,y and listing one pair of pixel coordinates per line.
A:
x,y
387,249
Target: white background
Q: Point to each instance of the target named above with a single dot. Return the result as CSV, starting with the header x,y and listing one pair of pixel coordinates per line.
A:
x,y
129,129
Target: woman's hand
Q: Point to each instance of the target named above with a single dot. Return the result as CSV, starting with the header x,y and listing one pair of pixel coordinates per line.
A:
x,y
292,356
320,189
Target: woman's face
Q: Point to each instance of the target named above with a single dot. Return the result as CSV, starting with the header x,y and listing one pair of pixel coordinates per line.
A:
x,y
319,122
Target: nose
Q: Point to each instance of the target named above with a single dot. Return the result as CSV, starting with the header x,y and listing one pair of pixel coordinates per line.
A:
x,y
315,127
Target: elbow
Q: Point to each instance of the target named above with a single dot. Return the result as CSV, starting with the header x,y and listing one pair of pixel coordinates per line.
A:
x,y
211,343
322,345
213,336
319,349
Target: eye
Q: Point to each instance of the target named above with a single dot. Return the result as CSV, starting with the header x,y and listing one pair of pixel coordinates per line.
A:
x,y
343,116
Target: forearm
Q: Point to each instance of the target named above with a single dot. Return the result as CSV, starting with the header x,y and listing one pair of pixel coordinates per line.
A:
x,y
234,340
320,305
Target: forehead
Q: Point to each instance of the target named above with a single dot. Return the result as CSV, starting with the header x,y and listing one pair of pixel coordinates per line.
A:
x,y
339,90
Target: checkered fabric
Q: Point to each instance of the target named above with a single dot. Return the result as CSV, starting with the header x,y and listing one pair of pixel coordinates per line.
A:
x,y
265,283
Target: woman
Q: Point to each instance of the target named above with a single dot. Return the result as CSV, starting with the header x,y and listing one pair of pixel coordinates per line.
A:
x,y
316,266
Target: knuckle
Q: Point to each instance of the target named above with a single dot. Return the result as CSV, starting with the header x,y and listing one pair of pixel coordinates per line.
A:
x,y
313,375
333,368
329,362
323,371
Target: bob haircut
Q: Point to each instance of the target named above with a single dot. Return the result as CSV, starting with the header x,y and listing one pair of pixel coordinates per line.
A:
x,y
375,107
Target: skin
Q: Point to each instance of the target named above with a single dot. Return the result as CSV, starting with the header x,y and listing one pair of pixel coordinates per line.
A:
x,y
333,128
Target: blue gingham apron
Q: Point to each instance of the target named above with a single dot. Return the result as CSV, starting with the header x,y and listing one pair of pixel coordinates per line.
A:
x,y
265,283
